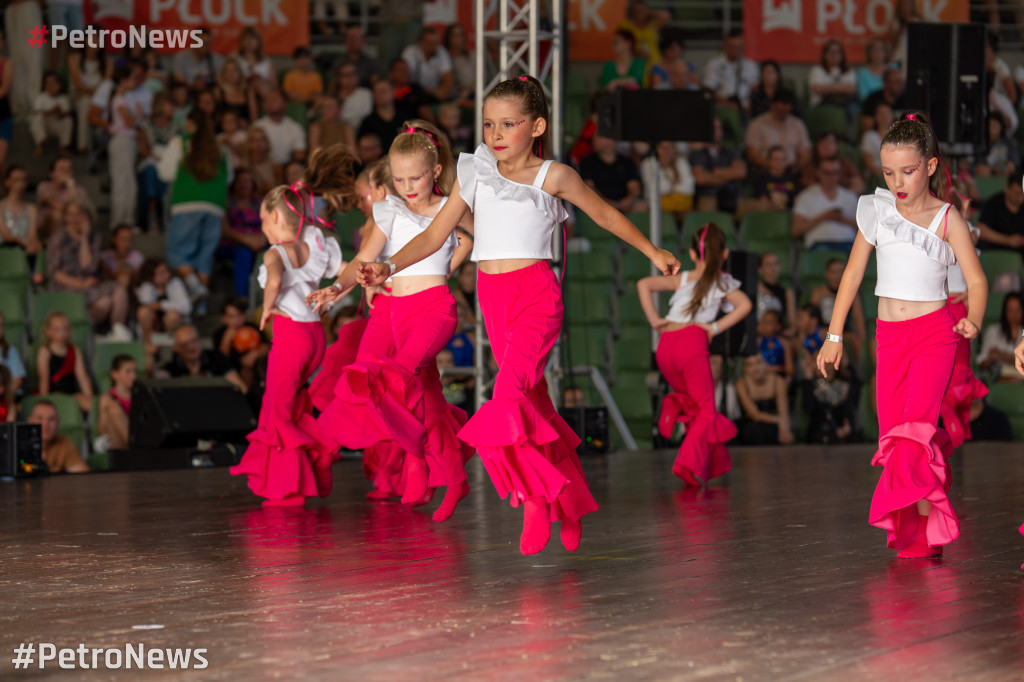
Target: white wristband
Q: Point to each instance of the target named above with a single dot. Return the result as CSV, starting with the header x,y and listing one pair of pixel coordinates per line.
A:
x,y
829,336
714,328
391,265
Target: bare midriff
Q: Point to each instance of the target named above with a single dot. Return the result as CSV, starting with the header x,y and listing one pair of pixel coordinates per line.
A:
x,y
414,284
895,310
500,267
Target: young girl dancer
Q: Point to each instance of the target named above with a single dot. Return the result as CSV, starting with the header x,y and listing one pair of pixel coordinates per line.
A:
x,y
399,396
515,198
917,238
287,461
683,355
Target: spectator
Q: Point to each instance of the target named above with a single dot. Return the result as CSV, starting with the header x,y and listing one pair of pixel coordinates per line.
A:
x,y
762,393
680,77
232,137
463,62
60,455
832,81
339,12
730,75
674,177
878,53
997,344
825,213
906,13
164,302
356,101
157,77
1003,93
613,176
1001,221
776,186
810,337
387,116
265,173
1003,157
6,115
122,150
645,27
718,171
369,148
190,360
198,168
761,95
116,405
206,102
829,402
287,138
824,296
74,262
778,127
243,235
330,129
826,145
430,66
19,18
154,136
302,84
197,67
408,93
775,349
625,70
355,54
235,94
293,171
121,262
8,410
671,47
51,115
19,219
871,142
60,364
725,391
771,295
54,193
893,87
460,137
10,359
243,349
465,296
256,66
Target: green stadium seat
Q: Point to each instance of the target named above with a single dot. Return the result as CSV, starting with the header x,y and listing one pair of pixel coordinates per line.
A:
x,y
811,269
765,225
591,266
104,353
298,112
12,307
997,262
994,308
631,395
72,424
14,273
634,266
732,123
1009,397
827,119
989,186
632,350
587,345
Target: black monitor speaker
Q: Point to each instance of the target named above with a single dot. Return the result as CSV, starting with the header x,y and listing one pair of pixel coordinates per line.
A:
x,y
657,116
176,413
21,449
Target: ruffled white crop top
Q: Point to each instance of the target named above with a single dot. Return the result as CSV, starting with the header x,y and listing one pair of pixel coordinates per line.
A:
x,y
510,219
714,300
401,225
297,283
913,261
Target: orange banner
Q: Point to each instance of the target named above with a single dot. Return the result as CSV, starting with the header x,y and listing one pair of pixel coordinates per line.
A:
x,y
794,30
284,24
591,25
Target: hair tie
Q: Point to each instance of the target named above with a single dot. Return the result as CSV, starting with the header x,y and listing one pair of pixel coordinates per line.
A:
x,y
410,130
524,78
309,214
911,117
703,234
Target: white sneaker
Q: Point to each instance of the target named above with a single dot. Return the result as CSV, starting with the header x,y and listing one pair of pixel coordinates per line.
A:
x,y
119,333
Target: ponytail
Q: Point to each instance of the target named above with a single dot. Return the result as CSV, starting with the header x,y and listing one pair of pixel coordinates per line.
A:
x,y
709,244
331,174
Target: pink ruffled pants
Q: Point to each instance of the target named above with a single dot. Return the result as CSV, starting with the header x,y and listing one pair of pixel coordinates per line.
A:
x,y
287,454
915,363
964,387
526,447
684,359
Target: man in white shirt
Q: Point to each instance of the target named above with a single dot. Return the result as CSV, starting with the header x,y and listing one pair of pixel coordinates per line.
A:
x,y
287,138
825,214
430,65
730,75
197,67
51,115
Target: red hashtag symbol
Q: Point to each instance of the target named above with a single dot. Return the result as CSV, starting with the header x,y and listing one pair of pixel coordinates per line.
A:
x,y
38,36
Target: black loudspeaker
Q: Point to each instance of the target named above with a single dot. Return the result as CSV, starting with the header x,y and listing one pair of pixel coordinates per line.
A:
x,y
21,449
946,78
740,340
591,425
176,413
657,116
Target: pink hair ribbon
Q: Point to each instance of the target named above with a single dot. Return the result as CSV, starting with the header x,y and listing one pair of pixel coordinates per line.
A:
x,y
524,79
308,212
703,234
911,117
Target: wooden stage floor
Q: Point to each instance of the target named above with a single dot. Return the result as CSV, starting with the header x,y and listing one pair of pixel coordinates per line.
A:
x,y
773,574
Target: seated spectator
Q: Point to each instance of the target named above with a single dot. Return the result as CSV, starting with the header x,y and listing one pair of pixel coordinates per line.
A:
x,y
19,219
1003,157
355,100
826,145
330,129
832,81
730,75
671,47
87,68
871,142
878,55
762,394
302,83
761,95
74,263
626,69
10,359
776,187
240,341
233,138
460,137
778,127
51,115
674,177
824,296
242,232
115,406
463,63
646,26
997,343
235,94
164,303
55,192
771,295
573,396
154,135
613,176
1001,221
60,455
679,77
190,360
825,214
197,67
893,87
408,93
355,54
122,261
256,66
810,335
265,173
8,410
60,364
287,138
387,116
776,350
293,171
726,400
430,66
369,149
465,296
829,403
718,171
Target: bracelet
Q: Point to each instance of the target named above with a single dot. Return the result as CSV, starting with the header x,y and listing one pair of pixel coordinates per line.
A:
x,y
391,265
714,328
829,336
337,285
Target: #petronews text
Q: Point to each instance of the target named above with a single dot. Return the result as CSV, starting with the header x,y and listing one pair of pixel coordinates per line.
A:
x,y
111,658
135,36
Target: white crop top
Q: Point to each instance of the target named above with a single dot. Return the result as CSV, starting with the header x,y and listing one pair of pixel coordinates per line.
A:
x,y
297,283
714,300
913,261
401,225
510,219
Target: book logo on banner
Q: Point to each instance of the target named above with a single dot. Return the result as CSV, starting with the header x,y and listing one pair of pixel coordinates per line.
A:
x,y
782,14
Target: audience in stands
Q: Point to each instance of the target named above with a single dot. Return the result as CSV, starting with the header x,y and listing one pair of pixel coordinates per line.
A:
x,y
829,404
242,232
646,26
59,455
998,341
614,176
197,67
824,296
463,63
52,117
265,173
10,359
356,54
625,70
112,430
718,171
762,394
779,127
1001,221
256,66
832,81
893,86
287,138
460,137
730,75
871,142
164,302
430,66
409,94
60,364
774,347
240,341
826,145
673,71
878,58
19,218
355,99
235,94
55,192
6,114
674,176
191,360
825,214
387,116
770,83
776,186
1003,157
1003,91
726,401
330,129
302,84
122,260
771,295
